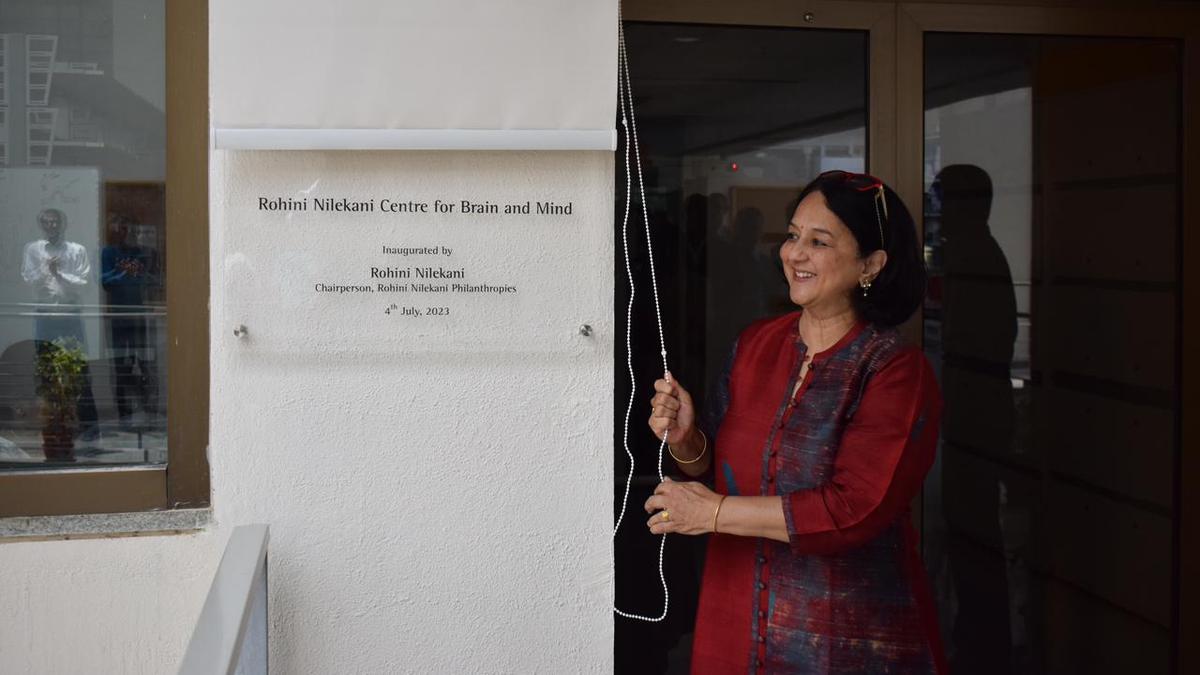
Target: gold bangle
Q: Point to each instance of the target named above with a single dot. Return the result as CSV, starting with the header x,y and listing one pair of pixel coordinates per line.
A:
x,y
717,513
697,457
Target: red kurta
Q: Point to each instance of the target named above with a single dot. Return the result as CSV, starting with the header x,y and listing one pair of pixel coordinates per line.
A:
x,y
847,593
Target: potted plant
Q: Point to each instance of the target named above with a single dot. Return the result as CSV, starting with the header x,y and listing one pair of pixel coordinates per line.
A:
x,y
60,366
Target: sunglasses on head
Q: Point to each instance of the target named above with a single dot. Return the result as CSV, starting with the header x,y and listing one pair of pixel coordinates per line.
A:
x,y
865,182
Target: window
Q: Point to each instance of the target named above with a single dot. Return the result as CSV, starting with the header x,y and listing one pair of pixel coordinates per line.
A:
x,y
104,266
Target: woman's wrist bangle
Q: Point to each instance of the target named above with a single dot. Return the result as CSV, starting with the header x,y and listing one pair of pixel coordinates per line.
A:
x,y
717,512
697,457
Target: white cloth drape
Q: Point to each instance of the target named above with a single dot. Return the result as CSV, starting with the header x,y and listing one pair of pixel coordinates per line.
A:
x,y
394,72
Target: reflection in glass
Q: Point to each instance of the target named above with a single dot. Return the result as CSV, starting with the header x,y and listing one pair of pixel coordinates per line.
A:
x,y
733,121
82,221
1047,520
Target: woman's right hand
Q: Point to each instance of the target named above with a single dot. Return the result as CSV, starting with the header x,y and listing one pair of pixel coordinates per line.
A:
x,y
672,411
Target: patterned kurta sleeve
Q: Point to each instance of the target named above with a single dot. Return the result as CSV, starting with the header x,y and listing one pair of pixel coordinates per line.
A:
x,y
886,449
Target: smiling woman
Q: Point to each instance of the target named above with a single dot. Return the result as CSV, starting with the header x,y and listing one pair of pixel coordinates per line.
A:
x,y
821,259
871,242
823,429
726,146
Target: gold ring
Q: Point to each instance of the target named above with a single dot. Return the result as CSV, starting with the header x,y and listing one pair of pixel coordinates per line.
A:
x,y
666,515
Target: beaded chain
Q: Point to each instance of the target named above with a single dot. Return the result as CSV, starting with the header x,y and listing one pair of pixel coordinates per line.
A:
x,y
629,124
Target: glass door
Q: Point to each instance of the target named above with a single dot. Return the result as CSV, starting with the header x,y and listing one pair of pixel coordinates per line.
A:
x,y
737,109
1047,147
1052,211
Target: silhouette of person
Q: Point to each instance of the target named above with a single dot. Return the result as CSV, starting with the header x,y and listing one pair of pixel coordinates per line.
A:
x,y
58,270
695,295
127,271
979,329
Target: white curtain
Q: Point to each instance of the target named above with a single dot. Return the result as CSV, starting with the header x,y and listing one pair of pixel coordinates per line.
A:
x,y
413,73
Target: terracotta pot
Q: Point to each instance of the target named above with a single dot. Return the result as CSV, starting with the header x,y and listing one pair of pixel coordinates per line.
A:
x,y
58,441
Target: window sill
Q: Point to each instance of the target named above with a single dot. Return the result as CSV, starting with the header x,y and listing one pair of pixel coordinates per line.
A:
x,y
103,525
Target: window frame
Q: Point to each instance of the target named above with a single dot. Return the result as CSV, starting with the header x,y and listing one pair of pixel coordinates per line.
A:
x,y
184,481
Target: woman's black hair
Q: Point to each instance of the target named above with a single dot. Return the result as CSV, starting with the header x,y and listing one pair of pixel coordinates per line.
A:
x,y
897,291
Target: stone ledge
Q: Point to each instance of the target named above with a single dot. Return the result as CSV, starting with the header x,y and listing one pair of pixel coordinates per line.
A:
x,y
146,523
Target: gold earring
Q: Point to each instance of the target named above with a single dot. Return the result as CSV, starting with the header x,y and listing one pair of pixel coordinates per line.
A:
x,y
866,286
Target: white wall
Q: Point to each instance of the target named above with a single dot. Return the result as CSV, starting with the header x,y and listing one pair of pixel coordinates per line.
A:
x,y
441,512
436,504
448,508
102,606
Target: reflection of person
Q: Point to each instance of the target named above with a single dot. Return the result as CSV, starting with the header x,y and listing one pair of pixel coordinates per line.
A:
x,y
58,271
128,269
732,279
825,426
979,327
696,232
56,268
718,217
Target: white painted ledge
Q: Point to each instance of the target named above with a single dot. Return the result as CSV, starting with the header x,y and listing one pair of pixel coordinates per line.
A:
x,y
415,139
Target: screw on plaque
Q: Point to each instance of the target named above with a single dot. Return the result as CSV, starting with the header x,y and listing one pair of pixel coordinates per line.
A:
x,y
585,330
809,17
241,332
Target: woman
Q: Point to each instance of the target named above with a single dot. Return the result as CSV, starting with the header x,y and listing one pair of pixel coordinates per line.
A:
x,y
819,437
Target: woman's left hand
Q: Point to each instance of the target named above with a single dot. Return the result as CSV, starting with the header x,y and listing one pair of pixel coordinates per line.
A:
x,y
689,508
